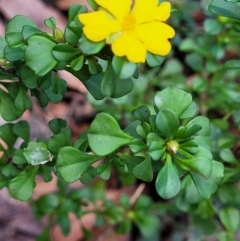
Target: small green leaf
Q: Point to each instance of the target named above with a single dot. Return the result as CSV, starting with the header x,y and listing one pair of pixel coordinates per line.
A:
x,y
144,170
230,218
21,187
56,125
89,175
14,28
64,52
23,101
29,77
207,187
3,44
93,4
22,129
28,31
14,54
38,54
233,64
73,32
7,107
105,135
167,123
41,97
168,183
104,171
75,10
224,8
228,156
154,60
88,47
72,163
37,153
50,22
142,113
77,63
60,140
174,99
123,68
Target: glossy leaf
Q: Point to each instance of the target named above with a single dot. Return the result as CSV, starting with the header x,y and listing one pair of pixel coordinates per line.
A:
x,y
14,28
174,99
38,54
105,135
168,183
21,187
167,123
36,153
72,163
143,171
224,8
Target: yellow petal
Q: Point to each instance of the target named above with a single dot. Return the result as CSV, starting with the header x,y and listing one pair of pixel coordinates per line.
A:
x,y
98,25
128,45
155,36
118,8
162,13
144,10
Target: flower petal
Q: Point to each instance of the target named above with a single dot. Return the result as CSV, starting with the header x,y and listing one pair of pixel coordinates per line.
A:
x,y
144,11
155,36
162,13
128,45
98,25
118,8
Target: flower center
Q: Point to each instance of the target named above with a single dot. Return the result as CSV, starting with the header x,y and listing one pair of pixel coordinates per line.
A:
x,y
129,22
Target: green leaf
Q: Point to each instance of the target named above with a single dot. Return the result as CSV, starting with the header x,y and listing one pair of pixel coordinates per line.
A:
x,y
104,171
154,60
233,64
142,113
22,129
14,28
167,123
174,99
3,44
105,135
64,52
50,22
143,129
60,140
123,68
228,156
75,10
29,77
72,163
144,170
73,32
8,110
44,82
77,63
83,74
21,187
56,125
38,54
168,183
41,97
223,8
230,218
28,31
37,153
93,4
156,150
207,187
23,101
88,47
18,157
14,54
89,175
201,162
212,26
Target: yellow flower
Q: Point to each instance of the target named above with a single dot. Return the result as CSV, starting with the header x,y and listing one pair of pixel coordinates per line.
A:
x,y
131,31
